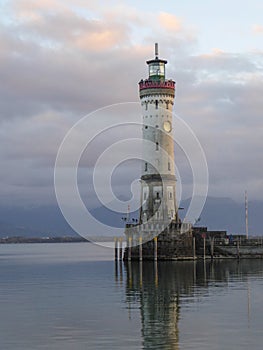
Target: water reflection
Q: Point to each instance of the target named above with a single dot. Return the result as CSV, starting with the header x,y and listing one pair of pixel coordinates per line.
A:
x,y
160,289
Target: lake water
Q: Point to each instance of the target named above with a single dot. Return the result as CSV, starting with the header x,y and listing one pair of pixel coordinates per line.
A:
x,y
74,296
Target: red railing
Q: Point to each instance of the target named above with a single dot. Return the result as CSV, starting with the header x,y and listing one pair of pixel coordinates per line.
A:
x,y
150,84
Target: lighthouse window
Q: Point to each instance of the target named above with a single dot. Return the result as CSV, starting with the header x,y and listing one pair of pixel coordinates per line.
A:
x,y
156,104
170,195
157,146
146,106
169,166
146,167
167,105
146,127
157,195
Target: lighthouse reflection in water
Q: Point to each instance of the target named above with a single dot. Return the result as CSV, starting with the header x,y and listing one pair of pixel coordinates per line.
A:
x,y
155,288
187,305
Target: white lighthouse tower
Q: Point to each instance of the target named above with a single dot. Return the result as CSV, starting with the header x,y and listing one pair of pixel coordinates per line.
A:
x,y
158,182
159,235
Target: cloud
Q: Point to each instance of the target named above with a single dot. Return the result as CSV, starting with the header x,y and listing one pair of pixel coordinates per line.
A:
x,y
101,40
257,29
62,60
170,22
223,106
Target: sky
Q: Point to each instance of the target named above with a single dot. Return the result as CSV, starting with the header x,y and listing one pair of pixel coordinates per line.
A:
x,y
60,60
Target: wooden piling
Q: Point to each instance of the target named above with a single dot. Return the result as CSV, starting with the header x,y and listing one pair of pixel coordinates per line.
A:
x,y
212,247
116,248
120,249
141,279
155,248
129,248
140,248
238,251
204,246
156,281
194,248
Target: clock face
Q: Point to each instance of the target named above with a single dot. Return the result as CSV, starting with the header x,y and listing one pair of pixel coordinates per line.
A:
x,y
167,126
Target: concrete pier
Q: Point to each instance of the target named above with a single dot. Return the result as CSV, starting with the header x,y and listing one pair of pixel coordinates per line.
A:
x,y
199,243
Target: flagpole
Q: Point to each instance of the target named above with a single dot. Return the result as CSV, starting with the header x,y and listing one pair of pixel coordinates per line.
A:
x,y
246,211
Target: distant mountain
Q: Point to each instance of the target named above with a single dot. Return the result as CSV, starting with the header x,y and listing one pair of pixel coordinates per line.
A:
x,y
38,221
43,221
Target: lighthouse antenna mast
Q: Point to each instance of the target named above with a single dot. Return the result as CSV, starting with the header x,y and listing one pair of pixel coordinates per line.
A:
x,y
156,51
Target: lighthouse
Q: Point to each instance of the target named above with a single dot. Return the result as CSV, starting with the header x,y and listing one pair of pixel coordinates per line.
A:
x,y
158,182
159,234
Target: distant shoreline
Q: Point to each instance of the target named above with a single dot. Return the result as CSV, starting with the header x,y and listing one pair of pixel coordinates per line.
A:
x,y
17,240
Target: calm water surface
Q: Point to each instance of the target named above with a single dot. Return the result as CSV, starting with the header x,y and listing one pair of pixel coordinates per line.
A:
x,y
73,296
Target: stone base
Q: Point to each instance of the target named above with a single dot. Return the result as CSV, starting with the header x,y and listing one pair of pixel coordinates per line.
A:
x,y
171,245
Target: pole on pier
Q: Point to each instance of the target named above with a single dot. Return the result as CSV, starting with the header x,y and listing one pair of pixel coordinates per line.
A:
x,y
140,248
116,248
204,244
120,249
194,248
130,274
246,212
141,279
156,273
129,248
155,247
238,251
212,247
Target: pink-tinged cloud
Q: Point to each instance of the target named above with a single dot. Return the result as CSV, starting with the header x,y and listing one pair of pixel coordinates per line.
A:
x,y
169,21
100,40
30,6
257,29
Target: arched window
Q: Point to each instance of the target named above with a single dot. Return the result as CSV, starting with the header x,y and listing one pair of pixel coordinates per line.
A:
x,y
157,146
156,104
169,166
145,166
